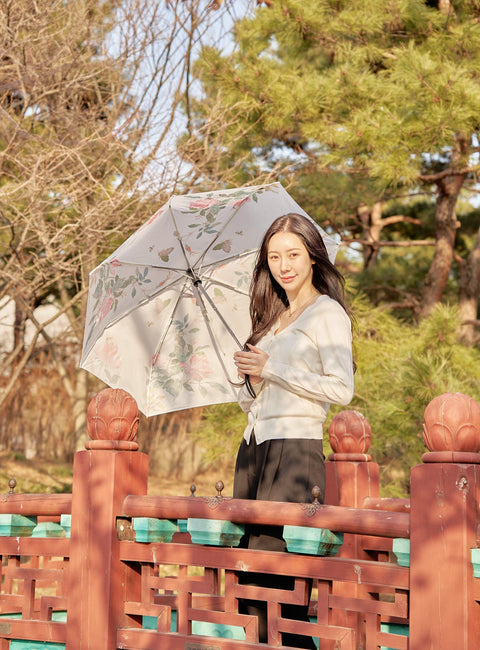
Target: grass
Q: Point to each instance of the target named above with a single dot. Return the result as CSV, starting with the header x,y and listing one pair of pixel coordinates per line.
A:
x,y
35,476
39,476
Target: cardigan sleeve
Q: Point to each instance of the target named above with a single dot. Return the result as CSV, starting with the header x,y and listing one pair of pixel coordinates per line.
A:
x,y
245,400
333,336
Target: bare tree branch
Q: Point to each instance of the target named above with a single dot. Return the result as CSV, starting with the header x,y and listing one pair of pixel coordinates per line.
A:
x,y
88,134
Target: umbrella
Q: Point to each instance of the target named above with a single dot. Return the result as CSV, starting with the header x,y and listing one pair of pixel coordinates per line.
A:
x,y
169,307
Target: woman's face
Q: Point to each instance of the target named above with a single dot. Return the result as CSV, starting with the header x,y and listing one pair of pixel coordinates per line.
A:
x,y
289,262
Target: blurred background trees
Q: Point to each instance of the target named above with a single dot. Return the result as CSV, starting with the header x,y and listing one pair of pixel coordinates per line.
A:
x,y
89,99
367,112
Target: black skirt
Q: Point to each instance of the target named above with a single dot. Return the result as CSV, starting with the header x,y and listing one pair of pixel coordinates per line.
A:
x,y
280,470
276,470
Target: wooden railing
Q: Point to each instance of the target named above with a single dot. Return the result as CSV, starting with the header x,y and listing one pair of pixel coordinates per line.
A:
x,y
34,569
110,567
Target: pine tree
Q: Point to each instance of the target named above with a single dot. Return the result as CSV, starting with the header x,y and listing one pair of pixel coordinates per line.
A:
x,y
385,93
402,367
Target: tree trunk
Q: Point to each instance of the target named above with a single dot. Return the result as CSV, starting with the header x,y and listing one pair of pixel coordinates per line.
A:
x,y
469,291
446,226
372,225
19,330
373,222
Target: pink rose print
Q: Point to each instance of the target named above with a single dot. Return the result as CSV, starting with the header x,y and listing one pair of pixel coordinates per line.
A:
x,y
197,367
200,204
105,307
238,203
108,353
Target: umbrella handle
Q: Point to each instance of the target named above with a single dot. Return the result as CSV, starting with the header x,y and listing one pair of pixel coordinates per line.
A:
x,y
248,383
249,386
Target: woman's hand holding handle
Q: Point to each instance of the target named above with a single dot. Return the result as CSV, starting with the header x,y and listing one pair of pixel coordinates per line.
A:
x,y
251,362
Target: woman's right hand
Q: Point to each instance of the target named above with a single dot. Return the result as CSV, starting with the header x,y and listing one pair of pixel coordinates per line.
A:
x,y
250,362
253,379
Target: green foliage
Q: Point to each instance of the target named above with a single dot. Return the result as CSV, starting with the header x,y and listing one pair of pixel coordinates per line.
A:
x,y
370,85
401,368
397,276
221,432
339,194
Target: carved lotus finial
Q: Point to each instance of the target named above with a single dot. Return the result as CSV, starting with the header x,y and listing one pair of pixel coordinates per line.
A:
x,y
350,433
112,415
452,423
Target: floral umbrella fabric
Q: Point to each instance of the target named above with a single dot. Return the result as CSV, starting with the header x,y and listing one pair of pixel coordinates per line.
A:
x,y
169,307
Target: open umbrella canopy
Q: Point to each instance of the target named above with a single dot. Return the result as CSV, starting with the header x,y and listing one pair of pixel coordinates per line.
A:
x,y
167,310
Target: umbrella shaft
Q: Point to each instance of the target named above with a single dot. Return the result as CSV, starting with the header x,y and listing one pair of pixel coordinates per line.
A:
x,y
198,288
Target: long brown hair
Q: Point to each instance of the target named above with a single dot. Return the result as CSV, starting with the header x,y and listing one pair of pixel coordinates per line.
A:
x,y
267,298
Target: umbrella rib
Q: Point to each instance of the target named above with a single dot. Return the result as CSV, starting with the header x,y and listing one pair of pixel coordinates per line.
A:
x,y
177,235
185,273
220,232
225,260
155,266
225,285
164,334
199,287
210,331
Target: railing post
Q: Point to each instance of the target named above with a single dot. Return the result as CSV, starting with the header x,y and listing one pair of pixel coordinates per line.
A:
x,y
103,475
445,493
351,476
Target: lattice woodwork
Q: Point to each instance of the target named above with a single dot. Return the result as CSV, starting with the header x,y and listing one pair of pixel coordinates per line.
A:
x,y
32,587
352,598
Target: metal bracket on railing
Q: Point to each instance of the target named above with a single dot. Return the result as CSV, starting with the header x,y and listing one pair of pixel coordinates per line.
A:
x,y
213,502
312,508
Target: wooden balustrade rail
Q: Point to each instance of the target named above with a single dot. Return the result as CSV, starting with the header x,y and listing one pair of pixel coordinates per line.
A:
x,y
383,503
36,504
315,515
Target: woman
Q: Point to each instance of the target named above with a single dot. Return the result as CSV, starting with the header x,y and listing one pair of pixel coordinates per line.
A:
x,y
298,360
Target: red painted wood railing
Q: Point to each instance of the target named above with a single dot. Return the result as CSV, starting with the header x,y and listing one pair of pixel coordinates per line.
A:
x,y
100,589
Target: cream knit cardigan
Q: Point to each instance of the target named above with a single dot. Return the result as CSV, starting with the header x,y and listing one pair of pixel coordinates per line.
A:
x,y
309,367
